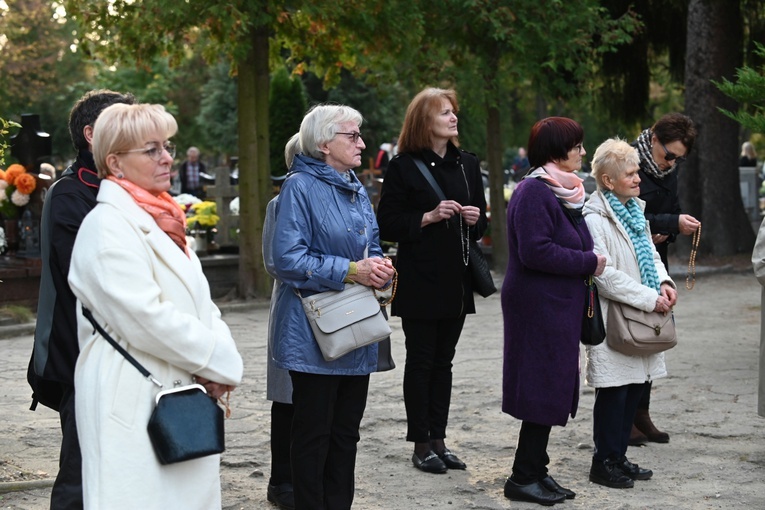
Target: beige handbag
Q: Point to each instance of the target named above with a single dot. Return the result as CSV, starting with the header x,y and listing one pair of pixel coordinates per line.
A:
x,y
638,333
345,320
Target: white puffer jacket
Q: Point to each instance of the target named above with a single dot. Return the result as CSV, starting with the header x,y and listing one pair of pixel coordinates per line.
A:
x,y
621,282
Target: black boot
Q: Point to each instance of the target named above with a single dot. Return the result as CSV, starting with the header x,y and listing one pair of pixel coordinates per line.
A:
x,y
633,470
533,492
607,472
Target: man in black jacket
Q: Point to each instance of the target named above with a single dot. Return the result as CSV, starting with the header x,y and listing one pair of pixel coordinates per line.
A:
x,y
56,347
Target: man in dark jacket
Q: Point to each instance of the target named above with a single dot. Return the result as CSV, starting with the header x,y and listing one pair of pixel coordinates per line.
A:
x,y
56,347
662,149
192,173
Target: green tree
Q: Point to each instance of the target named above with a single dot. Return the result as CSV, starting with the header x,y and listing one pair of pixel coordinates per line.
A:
x,y
337,33
286,108
748,90
488,49
218,114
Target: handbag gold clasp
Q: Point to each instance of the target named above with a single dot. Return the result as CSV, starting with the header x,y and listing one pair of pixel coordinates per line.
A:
x,y
657,329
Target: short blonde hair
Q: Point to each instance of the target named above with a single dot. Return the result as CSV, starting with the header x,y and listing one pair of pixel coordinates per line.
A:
x,y
612,158
122,127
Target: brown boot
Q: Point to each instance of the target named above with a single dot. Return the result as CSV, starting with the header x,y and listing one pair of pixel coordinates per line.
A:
x,y
645,425
637,438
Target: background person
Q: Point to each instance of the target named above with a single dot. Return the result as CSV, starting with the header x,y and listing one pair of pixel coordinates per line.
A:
x,y
662,149
435,288
55,351
549,256
758,263
634,275
191,174
132,269
326,236
748,155
278,383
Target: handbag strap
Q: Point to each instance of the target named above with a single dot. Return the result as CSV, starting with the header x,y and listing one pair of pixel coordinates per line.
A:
x,y
88,315
429,177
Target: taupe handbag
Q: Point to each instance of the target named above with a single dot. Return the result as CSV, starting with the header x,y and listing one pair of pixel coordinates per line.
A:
x,y
345,320
638,333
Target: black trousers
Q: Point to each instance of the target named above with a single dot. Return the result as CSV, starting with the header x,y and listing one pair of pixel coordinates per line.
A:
x,y
325,431
645,398
612,419
430,349
67,489
281,425
531,457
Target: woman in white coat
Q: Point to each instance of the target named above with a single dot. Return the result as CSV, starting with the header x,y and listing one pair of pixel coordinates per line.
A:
x,y
634,275
132,269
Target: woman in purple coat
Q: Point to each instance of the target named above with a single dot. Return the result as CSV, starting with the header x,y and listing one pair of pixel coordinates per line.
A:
x,y
549,256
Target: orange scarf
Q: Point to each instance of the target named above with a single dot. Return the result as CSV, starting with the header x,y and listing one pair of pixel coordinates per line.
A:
x,y
168,215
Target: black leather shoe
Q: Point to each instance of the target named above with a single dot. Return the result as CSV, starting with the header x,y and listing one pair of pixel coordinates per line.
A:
x,y
607,472
430,464
551,485
281,495
451,460
534,492
633,470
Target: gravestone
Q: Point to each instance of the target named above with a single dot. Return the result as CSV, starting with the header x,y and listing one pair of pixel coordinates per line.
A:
x,y
223,192
30,146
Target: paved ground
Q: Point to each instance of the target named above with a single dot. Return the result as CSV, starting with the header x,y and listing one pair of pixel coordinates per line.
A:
x,y
715,459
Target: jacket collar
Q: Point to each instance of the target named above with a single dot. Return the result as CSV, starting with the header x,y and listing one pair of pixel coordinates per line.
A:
x,y
161,244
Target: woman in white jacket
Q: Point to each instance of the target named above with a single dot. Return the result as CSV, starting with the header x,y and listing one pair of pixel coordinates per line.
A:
x,y
131,267
634,275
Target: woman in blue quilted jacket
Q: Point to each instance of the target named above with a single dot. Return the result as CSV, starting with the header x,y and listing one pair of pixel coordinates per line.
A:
x,y
326,236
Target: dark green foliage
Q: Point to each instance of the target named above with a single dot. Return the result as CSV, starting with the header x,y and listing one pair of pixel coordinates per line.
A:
x,y
749,91
287,105
218,112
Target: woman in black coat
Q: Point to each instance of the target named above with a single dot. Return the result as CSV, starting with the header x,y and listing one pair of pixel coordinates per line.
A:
x,y
662,149
434,286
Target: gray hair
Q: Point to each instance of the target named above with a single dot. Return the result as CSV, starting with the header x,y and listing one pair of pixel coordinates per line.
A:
x,y
319,126
291,149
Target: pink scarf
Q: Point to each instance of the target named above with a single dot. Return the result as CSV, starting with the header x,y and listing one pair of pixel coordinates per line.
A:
x,y
168,215
566,185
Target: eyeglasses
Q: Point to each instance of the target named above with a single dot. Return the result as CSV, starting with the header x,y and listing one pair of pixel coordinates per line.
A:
x,y
354,136
671,156
155,151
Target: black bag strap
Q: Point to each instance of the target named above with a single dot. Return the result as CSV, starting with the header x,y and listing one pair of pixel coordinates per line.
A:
x,y
429,177
433,184
88,315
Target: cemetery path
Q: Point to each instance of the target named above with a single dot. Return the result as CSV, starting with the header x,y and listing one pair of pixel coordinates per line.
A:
x,y
715,458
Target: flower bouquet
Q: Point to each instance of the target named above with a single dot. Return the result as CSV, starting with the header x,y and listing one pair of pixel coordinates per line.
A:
x,y
201,220
15,187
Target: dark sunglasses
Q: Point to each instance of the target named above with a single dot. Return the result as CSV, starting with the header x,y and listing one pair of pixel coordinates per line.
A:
x,y
671,156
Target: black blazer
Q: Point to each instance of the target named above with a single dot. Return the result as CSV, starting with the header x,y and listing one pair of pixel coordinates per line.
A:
x,y
433,282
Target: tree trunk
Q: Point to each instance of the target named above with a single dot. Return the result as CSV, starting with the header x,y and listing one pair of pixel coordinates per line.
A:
x,y
709,183
254,166
496,191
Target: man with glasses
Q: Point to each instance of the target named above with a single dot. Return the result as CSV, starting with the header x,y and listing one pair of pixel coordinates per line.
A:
x,y
662,149
56,347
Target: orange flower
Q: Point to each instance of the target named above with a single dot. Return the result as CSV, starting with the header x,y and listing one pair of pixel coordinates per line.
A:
x,y
26,183
14,171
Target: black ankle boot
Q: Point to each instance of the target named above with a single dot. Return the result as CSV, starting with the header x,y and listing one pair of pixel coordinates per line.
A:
x,y
633,470
607,472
